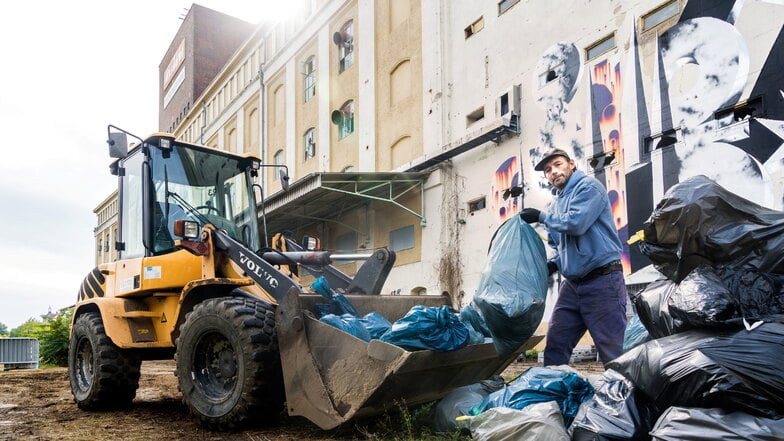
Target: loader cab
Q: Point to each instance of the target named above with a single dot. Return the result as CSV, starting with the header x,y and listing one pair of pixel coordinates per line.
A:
x,y
162,180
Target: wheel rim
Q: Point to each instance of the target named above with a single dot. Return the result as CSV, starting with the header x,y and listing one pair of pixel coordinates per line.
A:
x,y
215,366
84,364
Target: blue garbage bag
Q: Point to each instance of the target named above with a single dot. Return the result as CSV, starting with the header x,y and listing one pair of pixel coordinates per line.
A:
x,y
513,286
347,323
539,385
635,333
428,327
375,323
338,303
470,316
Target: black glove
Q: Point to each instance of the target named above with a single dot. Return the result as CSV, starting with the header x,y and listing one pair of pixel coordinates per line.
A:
x,y
551,268
530,215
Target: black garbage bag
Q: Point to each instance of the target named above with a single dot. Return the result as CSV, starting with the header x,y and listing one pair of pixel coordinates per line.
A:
x,y
699,222
652,306
757,295
685,424
458,402
740,370
710,297
616,412
702,300
512,289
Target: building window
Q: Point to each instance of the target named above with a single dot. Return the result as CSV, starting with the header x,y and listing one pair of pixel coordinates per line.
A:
x,y
345,42
476,204
309,82
605,44
504,5
475,27
344,119
277,159
660,15
402,238
309,143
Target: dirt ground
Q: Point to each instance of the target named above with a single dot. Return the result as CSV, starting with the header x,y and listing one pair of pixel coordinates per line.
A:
x,y
36,404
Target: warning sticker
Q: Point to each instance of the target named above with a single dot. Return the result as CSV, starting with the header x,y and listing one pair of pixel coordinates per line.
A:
x,y
152,272
126,284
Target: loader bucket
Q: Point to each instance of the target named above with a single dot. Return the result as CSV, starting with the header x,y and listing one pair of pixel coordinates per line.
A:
x,y
331,376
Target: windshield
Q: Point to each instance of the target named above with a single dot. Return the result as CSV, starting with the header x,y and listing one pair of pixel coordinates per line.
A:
x,y
203,186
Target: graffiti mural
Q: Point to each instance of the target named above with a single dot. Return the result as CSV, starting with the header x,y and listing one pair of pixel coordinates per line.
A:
x,y
699,101
505,200
606,106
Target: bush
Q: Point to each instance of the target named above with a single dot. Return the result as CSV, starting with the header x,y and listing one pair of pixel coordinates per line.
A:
x,y
54,340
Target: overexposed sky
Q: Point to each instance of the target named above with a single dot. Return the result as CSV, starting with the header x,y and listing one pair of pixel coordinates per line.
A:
x,y
70,68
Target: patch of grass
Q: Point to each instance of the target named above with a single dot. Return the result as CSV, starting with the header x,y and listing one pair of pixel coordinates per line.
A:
x,y
408,424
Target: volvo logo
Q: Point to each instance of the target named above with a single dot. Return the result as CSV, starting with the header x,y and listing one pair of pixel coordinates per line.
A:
x,y
256,269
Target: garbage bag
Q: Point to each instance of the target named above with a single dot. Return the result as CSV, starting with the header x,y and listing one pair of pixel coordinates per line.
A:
x,y
338,303
716,297
757,295
699,222
615,412
685,424
375,323
732,370
635,333
428,327
537,422
470,316
652,306
702,300
347,323
539,385
512,289
460,401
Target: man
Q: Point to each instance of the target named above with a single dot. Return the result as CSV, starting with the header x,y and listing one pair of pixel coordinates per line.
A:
x,y
588,254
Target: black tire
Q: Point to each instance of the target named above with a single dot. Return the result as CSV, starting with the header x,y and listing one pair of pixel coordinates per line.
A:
x,y
228,363
102,375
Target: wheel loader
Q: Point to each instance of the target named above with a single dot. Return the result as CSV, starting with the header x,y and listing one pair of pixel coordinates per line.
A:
x,y
196,281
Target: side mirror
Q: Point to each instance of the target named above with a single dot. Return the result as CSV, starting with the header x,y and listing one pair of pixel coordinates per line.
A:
x,y
118,145
284,179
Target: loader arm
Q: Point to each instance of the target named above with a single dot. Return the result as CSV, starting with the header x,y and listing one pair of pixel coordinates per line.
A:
x,y
262,271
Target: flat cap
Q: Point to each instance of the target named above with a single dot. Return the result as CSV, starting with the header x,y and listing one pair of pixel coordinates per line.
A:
x,y
548,155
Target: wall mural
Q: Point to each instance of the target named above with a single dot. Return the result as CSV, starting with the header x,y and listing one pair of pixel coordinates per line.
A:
x,y
695,115
506,190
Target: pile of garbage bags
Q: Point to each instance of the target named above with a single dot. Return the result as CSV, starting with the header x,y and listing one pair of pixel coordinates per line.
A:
x,y
710,366
704,354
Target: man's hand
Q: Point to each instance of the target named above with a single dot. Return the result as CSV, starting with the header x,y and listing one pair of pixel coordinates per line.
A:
x,y
530,215
551,268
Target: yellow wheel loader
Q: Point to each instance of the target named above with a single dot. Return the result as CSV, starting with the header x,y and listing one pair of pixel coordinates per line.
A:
x,y
194,283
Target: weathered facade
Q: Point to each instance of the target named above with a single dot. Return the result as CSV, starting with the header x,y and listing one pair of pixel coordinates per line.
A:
x,y
466,96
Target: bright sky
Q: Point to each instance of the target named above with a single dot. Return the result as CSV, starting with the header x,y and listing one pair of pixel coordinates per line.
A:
x,y
70,68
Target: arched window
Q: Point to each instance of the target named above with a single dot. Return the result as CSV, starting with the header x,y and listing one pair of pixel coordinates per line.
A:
x,y
277,159
345,42
309,143
309,80
344,118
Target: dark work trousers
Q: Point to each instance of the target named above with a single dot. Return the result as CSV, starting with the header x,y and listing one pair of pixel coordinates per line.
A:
x,y
597,305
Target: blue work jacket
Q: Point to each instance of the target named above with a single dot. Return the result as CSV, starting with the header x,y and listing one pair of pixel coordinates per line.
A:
x,y
580,227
